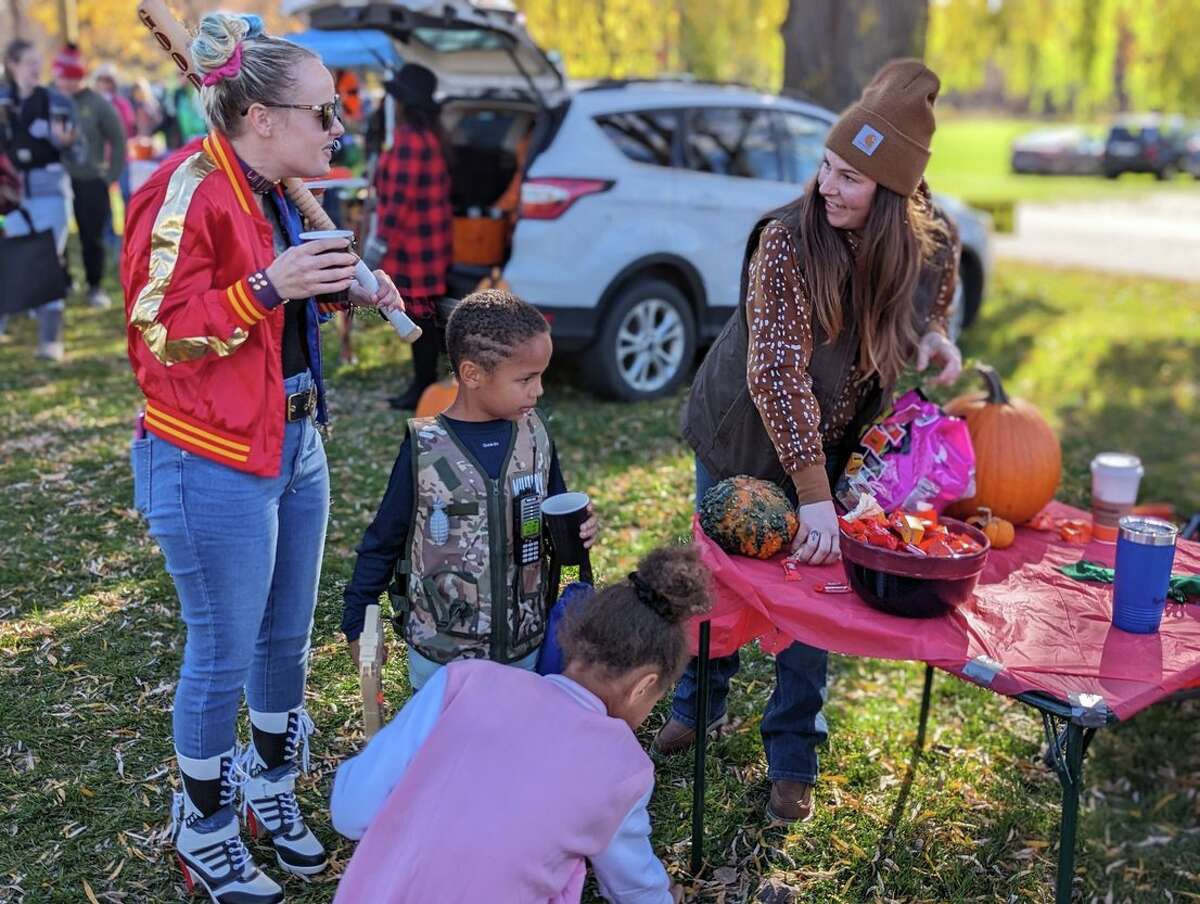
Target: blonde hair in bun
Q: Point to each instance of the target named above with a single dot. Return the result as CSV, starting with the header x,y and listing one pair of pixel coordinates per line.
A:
x,y
267,72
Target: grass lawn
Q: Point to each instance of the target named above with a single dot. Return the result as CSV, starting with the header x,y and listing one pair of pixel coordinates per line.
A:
x,y
971,158
90,642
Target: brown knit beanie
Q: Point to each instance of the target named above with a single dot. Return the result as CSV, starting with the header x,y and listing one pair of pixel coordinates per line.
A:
x,y
886,134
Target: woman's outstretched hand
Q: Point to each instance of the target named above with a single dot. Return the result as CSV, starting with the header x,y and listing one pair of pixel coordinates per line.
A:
x,y
935,348
818,541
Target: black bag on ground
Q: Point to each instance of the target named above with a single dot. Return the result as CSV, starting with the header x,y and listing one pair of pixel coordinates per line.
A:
x,y
31,272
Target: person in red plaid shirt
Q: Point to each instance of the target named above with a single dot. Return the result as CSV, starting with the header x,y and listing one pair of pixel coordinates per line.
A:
x,y
415,222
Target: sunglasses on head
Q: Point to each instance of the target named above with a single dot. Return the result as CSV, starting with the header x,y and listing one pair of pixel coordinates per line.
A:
x,y
330,112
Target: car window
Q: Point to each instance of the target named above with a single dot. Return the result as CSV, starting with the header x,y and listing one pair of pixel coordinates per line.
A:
x,y
484,128
643,135
803,145
733,142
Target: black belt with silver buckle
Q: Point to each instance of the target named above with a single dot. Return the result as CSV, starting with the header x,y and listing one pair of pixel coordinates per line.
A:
x,y
302,404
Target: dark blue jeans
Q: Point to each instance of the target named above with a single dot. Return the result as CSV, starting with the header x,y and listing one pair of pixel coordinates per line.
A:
x,y
792,724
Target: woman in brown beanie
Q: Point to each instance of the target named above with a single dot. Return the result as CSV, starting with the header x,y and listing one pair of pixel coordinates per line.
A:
x,y
842,289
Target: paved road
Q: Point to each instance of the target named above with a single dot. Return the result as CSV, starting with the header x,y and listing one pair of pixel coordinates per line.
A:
x,y
1157,234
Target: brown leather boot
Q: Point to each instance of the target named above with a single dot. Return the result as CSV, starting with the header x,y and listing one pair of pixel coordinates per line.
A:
x,y
675,737
790,802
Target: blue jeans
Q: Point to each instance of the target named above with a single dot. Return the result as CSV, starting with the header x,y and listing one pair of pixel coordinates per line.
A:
x,y
792,724
245,555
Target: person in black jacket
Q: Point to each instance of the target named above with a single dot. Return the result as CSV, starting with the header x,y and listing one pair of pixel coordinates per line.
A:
x,y
39,131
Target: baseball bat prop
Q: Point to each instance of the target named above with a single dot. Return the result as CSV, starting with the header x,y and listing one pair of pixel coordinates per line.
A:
x,y
173,38
368,673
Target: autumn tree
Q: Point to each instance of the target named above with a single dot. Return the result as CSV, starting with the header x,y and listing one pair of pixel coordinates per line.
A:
x,y
833,47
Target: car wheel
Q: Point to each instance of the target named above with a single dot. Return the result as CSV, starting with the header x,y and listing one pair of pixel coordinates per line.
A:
x,y
1111,174
646,344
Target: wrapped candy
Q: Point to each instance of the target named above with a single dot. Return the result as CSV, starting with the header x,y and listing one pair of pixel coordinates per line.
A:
x,y
916,455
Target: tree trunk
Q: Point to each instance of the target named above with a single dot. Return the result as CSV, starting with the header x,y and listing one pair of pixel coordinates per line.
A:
x,y
833,47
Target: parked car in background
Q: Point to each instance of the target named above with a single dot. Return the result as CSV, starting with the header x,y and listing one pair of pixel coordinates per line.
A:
x,y
1191,153
1145,144
637,196
1058,152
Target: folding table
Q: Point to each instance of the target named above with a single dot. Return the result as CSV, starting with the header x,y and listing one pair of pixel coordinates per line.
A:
x,y
1029,633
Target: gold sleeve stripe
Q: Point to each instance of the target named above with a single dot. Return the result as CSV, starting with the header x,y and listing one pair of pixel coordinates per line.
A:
x,y
240,308
212,144
255,311
195,431
166,241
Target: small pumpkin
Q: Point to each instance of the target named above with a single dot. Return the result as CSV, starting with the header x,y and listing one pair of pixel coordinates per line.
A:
x,y
437,397
1000,533
748,517
1018,459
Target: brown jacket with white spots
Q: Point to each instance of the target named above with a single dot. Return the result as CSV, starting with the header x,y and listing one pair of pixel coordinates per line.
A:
x,y
774,399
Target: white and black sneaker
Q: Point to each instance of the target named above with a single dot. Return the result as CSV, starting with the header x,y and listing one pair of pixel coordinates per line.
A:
x,y
269,800
210,849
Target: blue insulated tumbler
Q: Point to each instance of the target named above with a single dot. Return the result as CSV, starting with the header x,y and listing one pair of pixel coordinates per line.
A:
x,y
1145,554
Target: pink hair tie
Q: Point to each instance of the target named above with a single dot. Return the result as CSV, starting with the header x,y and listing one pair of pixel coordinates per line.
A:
x,y
231,68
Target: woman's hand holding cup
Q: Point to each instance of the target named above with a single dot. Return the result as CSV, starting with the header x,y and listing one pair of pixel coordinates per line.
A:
x,y
818,541
319,267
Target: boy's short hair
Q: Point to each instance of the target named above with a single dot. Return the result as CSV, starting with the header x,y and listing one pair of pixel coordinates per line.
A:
x,y
486,326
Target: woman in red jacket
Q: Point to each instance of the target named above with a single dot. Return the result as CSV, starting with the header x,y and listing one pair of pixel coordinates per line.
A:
x,y
230,469
415,223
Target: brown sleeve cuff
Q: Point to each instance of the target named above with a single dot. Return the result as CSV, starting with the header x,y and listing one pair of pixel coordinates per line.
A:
x,y
812,485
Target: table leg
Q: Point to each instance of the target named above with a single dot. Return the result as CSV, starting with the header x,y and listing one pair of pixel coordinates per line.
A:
x,y
702,692
926,695
1067,750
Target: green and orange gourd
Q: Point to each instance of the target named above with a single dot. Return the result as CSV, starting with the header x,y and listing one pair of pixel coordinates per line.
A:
x,y
748,517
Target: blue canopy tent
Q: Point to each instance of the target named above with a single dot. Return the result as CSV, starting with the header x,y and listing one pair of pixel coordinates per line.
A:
x,y
354,49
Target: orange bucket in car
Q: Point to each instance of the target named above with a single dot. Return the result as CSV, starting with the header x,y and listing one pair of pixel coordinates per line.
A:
x,y
479,240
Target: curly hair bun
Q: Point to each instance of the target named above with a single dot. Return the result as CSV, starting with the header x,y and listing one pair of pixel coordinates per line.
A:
x,y
218,37
677,574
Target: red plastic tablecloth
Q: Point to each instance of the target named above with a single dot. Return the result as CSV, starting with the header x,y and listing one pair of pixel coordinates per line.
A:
x,y
1048,632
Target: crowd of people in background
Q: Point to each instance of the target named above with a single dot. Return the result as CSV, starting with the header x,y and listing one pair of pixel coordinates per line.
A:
x,y
80,134
69,139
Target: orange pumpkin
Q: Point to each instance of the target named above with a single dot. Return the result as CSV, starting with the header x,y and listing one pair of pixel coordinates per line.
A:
x,y
437,398
1018,460
748,517
1000,533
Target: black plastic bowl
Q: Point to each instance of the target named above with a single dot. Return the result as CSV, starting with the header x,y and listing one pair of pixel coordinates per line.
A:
x,y
911,586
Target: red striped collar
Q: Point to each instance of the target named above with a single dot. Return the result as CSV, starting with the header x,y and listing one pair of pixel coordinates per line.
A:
x,y
221,152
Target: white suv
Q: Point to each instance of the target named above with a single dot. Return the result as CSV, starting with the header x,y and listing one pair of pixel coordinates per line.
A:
x,y
638,196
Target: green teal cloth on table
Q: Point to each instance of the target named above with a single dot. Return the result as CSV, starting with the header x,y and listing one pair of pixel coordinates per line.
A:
x,y
1181,587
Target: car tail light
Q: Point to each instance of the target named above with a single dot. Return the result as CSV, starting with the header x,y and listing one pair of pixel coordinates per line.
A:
x,y
1152,152
549,199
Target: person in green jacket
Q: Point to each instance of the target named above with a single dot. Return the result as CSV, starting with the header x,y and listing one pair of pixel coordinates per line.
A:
x,y
94,170
189,119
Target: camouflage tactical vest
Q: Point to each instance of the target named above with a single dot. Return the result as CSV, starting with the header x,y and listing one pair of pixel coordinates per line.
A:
x,y
465,597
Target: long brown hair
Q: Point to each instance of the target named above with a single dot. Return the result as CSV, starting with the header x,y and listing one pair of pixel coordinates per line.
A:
x,y
900,236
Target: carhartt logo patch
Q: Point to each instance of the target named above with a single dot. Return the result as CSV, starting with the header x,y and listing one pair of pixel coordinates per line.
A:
x,y
868,140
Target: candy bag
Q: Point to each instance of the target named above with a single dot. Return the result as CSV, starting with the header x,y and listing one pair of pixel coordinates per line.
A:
x,y
915,454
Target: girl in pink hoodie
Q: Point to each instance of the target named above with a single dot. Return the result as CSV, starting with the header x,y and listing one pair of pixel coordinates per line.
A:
x,y
497,784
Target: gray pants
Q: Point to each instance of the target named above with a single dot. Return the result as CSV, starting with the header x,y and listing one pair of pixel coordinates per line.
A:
x,y
48,211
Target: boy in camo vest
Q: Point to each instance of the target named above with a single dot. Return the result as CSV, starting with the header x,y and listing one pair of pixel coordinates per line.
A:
x,y
444,530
